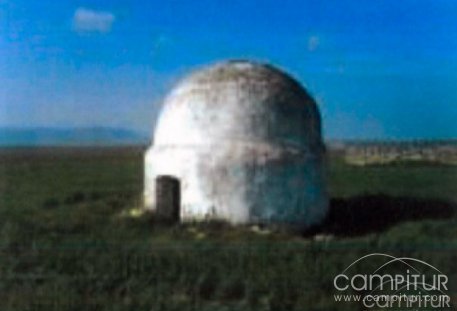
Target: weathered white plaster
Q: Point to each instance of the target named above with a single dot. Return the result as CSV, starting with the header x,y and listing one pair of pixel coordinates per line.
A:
x,y
245,141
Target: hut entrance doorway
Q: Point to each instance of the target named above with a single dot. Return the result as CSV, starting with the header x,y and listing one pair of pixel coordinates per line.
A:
x,y
168,198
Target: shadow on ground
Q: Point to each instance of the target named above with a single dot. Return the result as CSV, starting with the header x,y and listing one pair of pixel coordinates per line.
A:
x,y
366,214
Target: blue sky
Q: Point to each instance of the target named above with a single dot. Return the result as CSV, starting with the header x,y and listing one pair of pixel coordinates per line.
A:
x,y
378,69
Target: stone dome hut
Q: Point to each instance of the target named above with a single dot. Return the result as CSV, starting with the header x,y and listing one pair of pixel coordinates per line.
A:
x,y
241,142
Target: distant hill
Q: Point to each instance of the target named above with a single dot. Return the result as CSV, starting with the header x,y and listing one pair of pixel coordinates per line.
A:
x,y
92,136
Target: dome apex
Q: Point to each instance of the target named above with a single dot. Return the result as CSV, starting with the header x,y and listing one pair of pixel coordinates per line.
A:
x,y
242,71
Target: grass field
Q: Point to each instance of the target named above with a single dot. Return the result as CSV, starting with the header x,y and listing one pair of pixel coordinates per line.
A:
x,y
70,241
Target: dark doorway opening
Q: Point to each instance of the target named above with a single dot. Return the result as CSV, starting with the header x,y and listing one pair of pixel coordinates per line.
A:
x,y
168,198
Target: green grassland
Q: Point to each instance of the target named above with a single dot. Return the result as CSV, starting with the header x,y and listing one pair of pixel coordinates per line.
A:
x,y
71,238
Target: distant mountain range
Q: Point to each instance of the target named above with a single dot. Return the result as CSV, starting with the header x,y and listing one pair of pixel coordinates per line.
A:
x,y
91,136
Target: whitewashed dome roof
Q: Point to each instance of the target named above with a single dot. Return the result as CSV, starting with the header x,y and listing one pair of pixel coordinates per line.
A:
x,y
240,101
